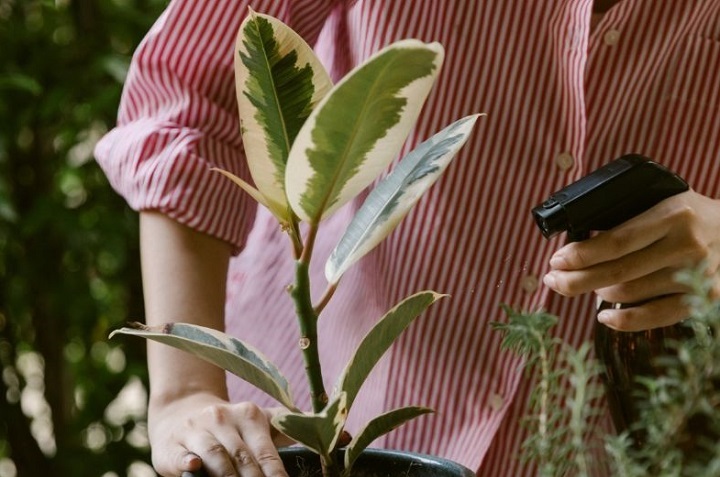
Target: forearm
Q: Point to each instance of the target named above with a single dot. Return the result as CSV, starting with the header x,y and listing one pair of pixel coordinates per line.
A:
x,y
184,274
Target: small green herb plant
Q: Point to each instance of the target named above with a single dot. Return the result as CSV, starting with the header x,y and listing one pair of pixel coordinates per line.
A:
x,y
311,147
679,411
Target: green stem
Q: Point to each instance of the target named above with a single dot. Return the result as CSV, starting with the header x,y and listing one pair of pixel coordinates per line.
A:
x,y
545,443
329,466
307,319
295,237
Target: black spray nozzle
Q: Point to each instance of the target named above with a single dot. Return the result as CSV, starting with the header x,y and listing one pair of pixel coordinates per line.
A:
x,y
607,197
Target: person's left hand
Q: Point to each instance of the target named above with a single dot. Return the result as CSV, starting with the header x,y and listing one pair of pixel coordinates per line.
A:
x,y
636,262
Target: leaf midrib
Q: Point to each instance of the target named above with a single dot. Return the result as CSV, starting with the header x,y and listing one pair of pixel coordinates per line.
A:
x,y
274,88
336,176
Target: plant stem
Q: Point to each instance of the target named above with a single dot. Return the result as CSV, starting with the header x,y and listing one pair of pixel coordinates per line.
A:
x,y
325,299
309,244
307,319
329,466
294,232
544,389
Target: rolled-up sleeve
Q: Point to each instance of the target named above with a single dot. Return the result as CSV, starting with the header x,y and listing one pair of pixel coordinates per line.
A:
x,y
178,115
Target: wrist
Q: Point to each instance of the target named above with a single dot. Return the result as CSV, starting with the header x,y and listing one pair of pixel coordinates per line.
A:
x,y
167,398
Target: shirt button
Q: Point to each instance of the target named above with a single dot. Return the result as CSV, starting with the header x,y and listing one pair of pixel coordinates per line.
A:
x,y
496,401
565,161
530,283
611,37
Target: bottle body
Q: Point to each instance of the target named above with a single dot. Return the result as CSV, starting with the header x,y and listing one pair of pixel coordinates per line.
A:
x,y
626,355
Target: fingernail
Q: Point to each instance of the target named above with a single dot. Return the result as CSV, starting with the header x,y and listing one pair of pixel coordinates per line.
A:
x,y
558,261
549,280
191,459
603,317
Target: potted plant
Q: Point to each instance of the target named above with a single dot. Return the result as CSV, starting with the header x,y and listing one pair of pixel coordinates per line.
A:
x,y
311,147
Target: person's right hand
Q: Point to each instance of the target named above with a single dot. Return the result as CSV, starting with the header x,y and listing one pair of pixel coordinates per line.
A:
x,y
202,431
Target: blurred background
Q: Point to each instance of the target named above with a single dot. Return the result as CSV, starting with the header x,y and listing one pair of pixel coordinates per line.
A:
x,y
72,403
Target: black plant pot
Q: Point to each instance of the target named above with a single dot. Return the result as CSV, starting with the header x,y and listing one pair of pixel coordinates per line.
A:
x,y
300,462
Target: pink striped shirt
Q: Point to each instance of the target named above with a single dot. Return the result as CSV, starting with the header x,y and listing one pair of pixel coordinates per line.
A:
x,y
560,101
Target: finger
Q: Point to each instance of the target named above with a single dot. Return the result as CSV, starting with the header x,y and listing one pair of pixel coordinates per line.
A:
x,y
256,432
670,215
242,456
622,240
647,261
230,452
664,311
173,462
656,284
216,460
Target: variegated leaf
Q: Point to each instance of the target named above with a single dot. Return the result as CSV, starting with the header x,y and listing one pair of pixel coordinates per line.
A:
x,y
380,426
318,432
393,198
379,339
279,81
359,128
222,350
276,209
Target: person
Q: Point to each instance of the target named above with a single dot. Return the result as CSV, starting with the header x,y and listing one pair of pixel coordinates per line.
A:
x,y
567,85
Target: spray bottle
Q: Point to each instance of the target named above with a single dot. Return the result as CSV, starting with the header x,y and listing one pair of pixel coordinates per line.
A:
x,y
600,201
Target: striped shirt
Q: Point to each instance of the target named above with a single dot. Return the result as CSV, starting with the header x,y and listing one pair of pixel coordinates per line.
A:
x,y
561,100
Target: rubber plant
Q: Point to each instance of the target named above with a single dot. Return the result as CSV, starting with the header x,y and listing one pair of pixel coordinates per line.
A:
x,y
311,147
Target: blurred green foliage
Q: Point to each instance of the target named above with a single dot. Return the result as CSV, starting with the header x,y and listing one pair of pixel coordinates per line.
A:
x,y
69,268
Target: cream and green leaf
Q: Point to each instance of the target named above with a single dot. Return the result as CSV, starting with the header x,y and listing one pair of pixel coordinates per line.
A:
x,y
380,426
222,350
279,80
394,196
319,432
379,339
359,127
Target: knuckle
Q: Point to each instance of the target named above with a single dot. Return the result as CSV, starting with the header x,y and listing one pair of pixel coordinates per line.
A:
x,y
249,411
616,241
271,464
267,456
684,214
218,413
243,457
215,449
697,249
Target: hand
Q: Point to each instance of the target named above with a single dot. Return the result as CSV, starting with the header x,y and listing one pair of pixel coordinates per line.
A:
x,y
636,262
204,431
